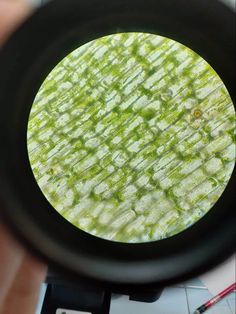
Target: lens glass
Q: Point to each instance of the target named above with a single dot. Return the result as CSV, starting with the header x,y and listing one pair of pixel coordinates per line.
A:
x,y
131,137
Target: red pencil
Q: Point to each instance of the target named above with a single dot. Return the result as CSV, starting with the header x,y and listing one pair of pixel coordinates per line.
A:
x,y
216,299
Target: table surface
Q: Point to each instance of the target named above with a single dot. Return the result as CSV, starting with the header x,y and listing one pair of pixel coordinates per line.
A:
x,y
182,299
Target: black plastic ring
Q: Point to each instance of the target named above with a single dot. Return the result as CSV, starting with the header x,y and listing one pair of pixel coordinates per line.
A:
x,y
31,53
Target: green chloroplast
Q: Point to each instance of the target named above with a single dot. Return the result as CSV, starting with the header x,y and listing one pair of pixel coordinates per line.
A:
x,y
131,137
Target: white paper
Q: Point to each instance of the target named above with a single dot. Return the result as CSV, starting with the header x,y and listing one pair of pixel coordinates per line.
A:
x,y
221,277
64,311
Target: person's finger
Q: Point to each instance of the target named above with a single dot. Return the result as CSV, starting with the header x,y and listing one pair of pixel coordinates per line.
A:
x,y
11,256
12,13
23,295
20,274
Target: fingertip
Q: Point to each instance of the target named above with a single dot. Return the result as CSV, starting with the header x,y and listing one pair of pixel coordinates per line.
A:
x,y
12,13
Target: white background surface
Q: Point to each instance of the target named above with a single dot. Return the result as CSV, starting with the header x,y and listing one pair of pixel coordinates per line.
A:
x,y
221,277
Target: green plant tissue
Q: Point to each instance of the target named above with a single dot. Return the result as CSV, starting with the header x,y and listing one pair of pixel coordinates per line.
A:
x,y
132,137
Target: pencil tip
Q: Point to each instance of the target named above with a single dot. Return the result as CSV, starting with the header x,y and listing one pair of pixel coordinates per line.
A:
x,y
196,312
